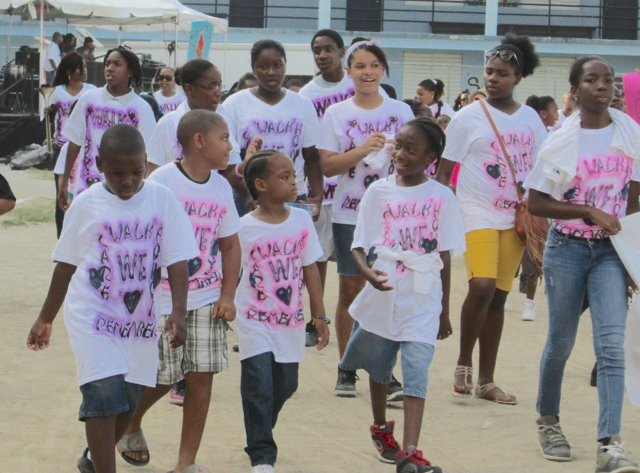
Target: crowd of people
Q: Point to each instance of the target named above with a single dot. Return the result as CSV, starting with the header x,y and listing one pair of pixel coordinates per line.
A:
x,y
214,206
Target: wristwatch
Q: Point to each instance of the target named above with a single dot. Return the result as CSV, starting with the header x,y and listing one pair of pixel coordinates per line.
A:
x,y
322,317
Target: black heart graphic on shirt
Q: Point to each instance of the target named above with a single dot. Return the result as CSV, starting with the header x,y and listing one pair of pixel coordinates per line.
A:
x,y
521,186
215,248
194,265
96,276
284,294
494,170
429,246
89,110
571,193
624,193
92,180
157,275
132,115
588,221
370,180
131,300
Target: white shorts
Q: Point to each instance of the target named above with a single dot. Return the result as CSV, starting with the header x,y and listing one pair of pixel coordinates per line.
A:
x,y
325,233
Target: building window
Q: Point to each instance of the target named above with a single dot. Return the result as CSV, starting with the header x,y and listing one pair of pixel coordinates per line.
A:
x,y
620,19
246,13
364,15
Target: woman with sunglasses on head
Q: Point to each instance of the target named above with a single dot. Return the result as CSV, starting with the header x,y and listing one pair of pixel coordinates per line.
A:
x,y
488,197
168,97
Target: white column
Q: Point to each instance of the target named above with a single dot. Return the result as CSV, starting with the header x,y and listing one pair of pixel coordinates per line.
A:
x,y
324,14
491,18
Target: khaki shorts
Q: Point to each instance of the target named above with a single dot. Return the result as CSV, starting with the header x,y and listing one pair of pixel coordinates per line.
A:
x,y
494,254
205,350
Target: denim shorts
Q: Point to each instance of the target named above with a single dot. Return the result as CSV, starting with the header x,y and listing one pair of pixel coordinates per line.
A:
x,y
377,356
342,239
108,397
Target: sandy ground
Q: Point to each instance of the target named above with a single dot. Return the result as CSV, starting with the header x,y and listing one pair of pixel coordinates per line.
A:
x,y
317,431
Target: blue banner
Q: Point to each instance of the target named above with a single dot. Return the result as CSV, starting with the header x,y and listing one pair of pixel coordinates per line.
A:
x,y
200,40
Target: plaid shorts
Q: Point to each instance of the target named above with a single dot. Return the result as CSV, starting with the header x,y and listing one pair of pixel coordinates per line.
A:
x,y
205,350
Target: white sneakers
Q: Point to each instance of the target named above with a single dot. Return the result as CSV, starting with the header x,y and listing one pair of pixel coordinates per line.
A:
x,y
529,310
262,469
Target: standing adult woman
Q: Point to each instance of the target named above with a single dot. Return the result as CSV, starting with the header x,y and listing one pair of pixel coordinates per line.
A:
x,y
586,178
168,97
69,82
488,197
430,92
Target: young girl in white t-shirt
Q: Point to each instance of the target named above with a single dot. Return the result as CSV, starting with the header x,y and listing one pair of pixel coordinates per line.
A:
x,y
98,110
351,132
409,225
488,198
279,252
285,121
586,178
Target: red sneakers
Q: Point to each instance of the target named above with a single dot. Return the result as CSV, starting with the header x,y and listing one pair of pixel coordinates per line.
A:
x,y
414,463
385,444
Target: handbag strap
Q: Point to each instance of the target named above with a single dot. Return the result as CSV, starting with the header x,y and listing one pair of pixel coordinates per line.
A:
x,y
503,147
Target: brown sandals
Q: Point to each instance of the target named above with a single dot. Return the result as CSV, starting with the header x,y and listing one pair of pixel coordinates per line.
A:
x,y
466,373
482,391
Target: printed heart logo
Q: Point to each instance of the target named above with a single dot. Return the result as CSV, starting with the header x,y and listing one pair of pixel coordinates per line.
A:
x,y
370,180
571,193
494,170
89,110
92,180
131,300
428,245
96,276
588,221
393,119
157,275
521,186
194,265
284,294
215,248
132,115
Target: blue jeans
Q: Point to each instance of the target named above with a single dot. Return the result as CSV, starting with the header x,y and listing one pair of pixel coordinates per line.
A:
x,y
265,385
573,269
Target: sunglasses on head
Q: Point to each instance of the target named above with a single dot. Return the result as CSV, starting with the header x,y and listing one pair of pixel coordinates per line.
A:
x,y
163,77
505,54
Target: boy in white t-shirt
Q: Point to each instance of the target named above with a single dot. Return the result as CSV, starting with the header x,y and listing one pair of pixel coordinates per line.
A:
x,y
116,238
207,199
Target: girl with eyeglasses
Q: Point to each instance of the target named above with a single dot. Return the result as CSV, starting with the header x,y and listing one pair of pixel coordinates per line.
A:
x,y
168,97
488,198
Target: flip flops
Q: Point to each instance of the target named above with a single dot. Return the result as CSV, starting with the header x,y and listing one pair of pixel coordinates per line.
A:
x,y
466,372
84,464
134,442
482,391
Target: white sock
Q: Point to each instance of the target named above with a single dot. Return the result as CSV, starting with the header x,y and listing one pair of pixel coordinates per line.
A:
x,y
89,456
410,449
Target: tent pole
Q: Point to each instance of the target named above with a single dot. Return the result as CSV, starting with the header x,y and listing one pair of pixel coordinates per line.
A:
x,y
43,51
226,46
119,34
175,52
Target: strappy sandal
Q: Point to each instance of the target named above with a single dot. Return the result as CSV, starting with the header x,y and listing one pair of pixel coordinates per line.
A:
x,y
466,372
482,391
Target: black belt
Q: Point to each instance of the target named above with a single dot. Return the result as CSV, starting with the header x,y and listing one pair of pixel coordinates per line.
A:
x,y
577,238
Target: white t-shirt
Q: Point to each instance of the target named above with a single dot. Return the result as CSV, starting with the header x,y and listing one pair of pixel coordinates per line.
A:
x,y
602,180
119,248
486,191
169,104
164,147
62,162
346,126
96,111
423,219
53,52
213,215
269,299
445,110
288,126
64,100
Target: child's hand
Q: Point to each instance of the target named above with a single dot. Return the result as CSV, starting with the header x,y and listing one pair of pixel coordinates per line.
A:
x,y
176,331
254,147
39,335
445,327
323,333
224,309
375,142
378,279
63,196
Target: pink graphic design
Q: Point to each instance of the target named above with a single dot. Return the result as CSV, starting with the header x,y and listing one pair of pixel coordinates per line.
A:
x,y
98,119
282,135
205,271
276,279
62,115
520,148
602,182
126,277
323,103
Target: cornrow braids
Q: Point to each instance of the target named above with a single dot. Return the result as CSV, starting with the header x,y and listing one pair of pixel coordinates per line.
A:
x,y
257,167
133,63
436,139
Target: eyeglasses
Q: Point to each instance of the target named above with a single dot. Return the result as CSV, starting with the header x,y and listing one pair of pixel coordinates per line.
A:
x,y
211,88
505,54
163,77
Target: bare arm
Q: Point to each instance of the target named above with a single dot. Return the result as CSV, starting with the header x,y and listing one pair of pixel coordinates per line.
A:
x,y
151,167
314,174
231,253
6,205
179,284
633,205
376,278
314,287
53,64
445,170
334,164
544,205
40,333
445,276
63,194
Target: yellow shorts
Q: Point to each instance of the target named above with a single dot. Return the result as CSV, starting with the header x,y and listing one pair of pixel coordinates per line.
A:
x,y
494,254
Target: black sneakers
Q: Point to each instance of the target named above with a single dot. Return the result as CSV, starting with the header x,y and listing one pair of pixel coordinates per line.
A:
x,y
346,384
